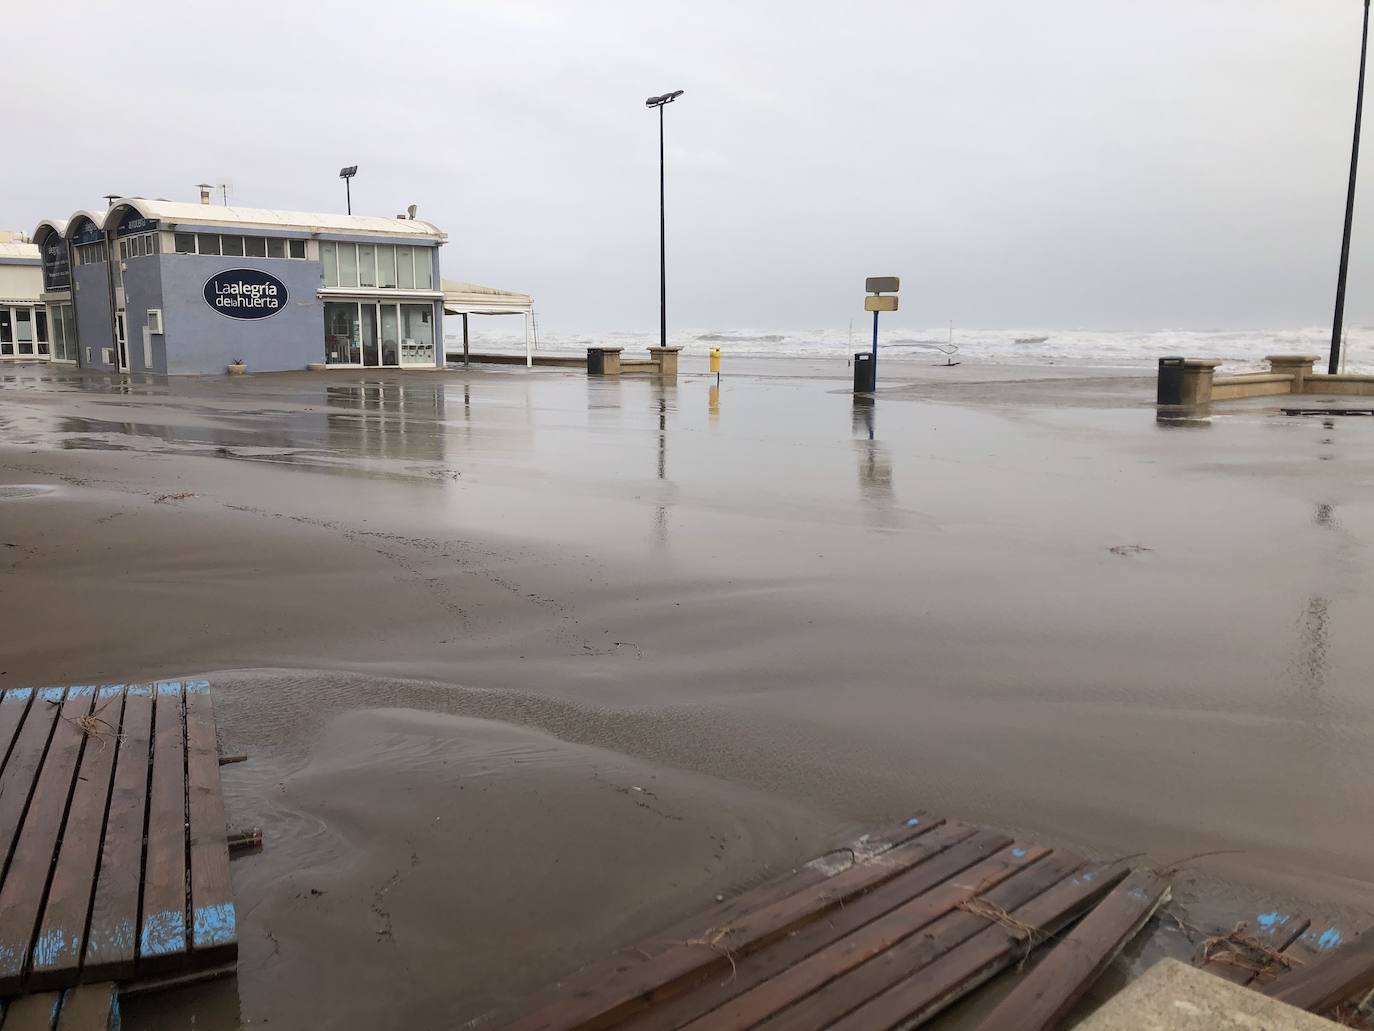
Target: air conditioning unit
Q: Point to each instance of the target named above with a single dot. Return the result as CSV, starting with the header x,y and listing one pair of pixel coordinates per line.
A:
x,y
155,320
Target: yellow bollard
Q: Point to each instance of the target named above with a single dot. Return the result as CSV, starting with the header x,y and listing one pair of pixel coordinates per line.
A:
x,y
713,401
715,360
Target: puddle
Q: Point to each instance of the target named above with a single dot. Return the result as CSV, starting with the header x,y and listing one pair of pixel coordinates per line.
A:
x,y
19,491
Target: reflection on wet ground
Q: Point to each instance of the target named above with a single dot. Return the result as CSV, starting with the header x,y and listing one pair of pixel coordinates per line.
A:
x,y
1014,602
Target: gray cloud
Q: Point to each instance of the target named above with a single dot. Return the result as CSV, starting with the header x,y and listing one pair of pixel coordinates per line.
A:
x,y
1065,163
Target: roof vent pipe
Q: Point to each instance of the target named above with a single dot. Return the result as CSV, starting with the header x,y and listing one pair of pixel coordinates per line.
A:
x,y
205,189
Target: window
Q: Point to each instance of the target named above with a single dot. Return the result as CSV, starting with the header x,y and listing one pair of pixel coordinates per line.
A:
x,y
367,267
276,247
405,268
295,249
184,243
153,247
329,262
386,265
417,334
41,321
123,248
348,264
254,247
424,268
207,243
231,245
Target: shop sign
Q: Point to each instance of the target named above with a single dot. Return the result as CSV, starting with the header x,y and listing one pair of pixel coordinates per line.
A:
x,y
245,293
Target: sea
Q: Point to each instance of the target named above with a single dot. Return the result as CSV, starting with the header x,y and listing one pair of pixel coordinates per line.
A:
x,y
1239,350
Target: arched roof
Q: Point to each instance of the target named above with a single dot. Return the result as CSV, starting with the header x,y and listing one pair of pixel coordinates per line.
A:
x,y
52,225
74,223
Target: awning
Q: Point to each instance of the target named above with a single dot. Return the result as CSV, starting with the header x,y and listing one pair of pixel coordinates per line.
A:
x,y
472,299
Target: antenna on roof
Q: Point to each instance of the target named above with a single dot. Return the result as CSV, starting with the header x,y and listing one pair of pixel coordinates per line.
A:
x,y
412,209
224,189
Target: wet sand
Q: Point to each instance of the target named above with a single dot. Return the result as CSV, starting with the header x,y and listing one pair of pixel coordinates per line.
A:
x,y
456,619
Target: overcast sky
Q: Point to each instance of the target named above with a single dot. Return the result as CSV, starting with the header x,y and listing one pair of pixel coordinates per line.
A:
x,y
1055,163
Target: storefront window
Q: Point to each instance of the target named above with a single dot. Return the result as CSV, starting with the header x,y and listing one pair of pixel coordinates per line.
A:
x,y
207,243
185,243
231,246
405,268
348,265
341,339
276,248
386,265
329,263
417,334
424,268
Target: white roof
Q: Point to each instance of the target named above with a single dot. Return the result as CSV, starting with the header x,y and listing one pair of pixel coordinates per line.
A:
x,y
216,214
13,252
474,299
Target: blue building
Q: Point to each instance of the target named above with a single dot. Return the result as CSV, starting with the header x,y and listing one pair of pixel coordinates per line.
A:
x,y
175,288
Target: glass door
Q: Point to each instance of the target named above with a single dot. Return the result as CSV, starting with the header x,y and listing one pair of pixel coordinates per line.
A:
x,y
121,342
367,320
23,331
40,320
391,335
342,345
6,333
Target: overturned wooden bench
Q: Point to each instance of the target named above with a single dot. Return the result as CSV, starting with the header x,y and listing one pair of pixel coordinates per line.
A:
x,y
113,859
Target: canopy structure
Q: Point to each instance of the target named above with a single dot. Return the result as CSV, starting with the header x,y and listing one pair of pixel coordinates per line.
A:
x,y
471,299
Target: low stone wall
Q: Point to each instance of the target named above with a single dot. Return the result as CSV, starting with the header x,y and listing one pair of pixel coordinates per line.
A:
x,y
1196,381
1256,384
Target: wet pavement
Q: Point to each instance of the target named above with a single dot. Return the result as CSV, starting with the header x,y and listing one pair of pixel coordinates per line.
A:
x,y
1018,597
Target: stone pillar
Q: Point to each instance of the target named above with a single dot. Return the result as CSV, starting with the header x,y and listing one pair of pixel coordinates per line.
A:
x,y
667,360
1299,366
1197,380
603,361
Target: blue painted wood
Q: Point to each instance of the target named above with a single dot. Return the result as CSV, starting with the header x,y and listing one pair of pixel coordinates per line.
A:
x,y
26,878
162,935
214,932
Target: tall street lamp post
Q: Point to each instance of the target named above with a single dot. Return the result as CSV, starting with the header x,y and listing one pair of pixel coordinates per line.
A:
x,y
661,103
347,174
1349,207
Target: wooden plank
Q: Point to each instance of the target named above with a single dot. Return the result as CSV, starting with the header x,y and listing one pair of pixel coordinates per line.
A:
x,y
88,1007
727,911
1318,986
12,708
1273,931
920,996
605,1004
753,970
162,932
21,771
952,882
37,1012
1314,944
833,1001
112,940
26,880
1044,997
60,940
214,936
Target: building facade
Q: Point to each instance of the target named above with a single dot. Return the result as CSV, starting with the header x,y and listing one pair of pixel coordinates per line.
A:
x,y
179,288
24,323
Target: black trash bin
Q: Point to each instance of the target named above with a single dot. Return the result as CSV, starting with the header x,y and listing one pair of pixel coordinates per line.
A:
x,y
865,373
596,361
1170,388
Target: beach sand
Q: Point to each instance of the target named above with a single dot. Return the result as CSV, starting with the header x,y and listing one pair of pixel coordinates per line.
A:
x,y
460,620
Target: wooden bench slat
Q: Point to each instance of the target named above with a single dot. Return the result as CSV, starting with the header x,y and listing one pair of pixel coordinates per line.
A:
x,y
162,933
26,879
953,879
37,1012
605,1004
60,940
21,771
1044,997
1333,979
112,941
759,967
880,973
213,926
13,705
88,1007
918,997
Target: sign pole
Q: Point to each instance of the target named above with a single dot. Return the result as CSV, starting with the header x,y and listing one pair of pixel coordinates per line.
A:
x,y
875,348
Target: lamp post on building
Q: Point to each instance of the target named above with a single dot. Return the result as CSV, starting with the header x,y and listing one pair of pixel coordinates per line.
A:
x,y
347,174
661,102
1332,367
